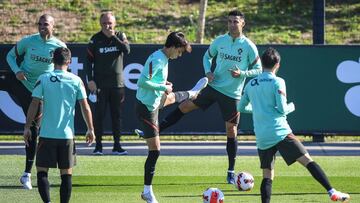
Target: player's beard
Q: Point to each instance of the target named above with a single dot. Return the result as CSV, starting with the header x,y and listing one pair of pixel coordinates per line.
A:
x,y
234,31
45,33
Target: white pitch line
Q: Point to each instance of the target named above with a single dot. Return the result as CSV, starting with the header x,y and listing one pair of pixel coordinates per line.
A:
x,y
224,147
201,147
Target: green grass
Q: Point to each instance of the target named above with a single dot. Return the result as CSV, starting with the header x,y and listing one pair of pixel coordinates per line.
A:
x,y
180,179
267,22
130,138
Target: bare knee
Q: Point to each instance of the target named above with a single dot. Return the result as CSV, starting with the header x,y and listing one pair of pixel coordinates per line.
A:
x,y
305,159
268,173
153,143
66,171
231,129
170,99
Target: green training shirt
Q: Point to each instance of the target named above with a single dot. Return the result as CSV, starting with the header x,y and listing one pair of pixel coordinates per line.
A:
x,y
59,91
38,56
152,80
232,53
266,95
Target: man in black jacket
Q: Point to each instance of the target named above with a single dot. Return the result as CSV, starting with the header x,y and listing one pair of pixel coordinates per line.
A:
x,y
104,67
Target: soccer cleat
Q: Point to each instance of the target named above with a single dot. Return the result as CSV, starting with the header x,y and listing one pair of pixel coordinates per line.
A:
x,y
201,84
139,133
149,197
119,151
97,152
25,180
339,196
230,178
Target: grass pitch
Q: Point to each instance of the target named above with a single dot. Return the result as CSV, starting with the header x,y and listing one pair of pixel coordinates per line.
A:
x,y
110,179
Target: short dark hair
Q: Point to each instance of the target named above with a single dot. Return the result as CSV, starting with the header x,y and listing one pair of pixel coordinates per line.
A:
x,y
237,13
62,56
177,39
270,57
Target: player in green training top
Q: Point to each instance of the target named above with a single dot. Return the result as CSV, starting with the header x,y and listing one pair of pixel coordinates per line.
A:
x,y
59,91
237,59
37,50
265,97
155,92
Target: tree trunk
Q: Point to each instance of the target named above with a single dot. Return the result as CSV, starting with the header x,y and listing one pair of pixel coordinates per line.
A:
x,y
201,23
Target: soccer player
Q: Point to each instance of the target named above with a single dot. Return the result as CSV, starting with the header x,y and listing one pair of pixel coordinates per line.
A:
x,y
59,90
237,59
104,65
155,92
265,97
37,51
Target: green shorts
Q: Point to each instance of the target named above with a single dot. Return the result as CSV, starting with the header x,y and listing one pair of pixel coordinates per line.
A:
x,y
227,105
56,153
290,149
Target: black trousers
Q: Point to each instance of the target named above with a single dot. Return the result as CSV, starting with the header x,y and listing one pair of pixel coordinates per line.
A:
x,y
23,97
20,94
113,97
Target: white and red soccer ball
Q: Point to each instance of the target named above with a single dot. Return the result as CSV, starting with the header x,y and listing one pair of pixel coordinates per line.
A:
x,y
213,195
244,181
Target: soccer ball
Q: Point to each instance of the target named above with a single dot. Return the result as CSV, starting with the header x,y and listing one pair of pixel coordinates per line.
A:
x,y
244,181
213,195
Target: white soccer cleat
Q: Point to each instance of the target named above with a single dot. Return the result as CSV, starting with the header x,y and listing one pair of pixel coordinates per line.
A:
x,y
201,84
25,180
149,197
339,196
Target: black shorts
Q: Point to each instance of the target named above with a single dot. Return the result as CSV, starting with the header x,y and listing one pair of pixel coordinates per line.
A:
x,y
290,149
149,120
52,153
227,105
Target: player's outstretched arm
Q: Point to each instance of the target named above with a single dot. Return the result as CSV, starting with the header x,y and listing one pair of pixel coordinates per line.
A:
x,y
148,84
87,115
281,101
244,105
254,68
16,51
207,60
290,108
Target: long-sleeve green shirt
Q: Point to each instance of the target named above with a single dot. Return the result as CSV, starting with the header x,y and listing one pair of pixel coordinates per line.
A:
x,y
232,53
265,97
38,55
151,83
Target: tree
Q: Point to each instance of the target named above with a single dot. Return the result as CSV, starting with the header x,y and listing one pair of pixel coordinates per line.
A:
x,y
201,22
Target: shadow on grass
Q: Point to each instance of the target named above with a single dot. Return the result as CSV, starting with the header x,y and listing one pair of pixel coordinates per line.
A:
x,y
11,187
130,185
254,195
111,185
